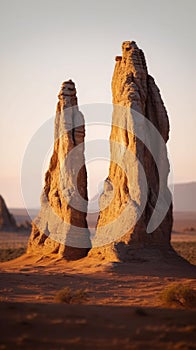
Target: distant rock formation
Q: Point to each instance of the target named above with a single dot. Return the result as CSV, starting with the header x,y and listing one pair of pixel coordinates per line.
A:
x,y
61,227
7,221
128,202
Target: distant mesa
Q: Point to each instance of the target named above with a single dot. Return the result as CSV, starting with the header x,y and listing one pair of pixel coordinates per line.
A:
x,y
7,220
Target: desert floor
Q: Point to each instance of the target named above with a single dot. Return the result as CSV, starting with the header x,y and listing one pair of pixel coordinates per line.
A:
x,y
119,304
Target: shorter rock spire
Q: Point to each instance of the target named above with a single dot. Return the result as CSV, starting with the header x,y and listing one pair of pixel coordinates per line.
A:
x,y
61,227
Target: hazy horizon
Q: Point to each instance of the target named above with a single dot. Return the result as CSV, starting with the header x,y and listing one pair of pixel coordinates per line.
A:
x,y
183,200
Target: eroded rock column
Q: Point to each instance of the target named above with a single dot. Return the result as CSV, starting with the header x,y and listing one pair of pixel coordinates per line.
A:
x,y
61,227
135,207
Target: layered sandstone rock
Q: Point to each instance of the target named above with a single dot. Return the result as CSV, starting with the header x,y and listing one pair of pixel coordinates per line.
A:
x,y
135,207
7,221
61,226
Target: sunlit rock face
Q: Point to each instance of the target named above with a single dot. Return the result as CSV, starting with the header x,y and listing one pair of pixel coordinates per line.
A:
x,y
135,207
61,227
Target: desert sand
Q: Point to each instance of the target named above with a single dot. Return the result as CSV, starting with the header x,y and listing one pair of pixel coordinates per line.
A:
x,y
122,307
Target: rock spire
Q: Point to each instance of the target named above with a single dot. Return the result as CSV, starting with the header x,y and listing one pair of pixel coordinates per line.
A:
x,y
135,207
61,227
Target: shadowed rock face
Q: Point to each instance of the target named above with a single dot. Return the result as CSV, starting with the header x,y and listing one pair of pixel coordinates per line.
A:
x,y
61,227
7,221
135,180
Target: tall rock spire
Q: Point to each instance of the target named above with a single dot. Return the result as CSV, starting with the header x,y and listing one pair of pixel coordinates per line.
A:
x,y
135,207
61,226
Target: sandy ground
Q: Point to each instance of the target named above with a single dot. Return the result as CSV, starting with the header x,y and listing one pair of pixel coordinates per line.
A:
x,y
136,284
122,308
49,326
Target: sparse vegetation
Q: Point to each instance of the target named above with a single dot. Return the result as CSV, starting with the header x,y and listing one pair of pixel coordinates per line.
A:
x,y
140,312
179,295
69,296
187,250
189,229
9,254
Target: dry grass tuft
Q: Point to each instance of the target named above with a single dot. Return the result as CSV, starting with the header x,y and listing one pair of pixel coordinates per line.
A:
x,y
140,312
179,295
69,296
9,253
189,229
187,250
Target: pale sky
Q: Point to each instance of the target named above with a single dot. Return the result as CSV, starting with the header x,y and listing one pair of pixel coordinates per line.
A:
x,y
44,42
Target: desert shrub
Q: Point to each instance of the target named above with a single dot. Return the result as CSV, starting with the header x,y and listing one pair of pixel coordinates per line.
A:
x,y
189,229
69,296
9,253
187,250
179,295
140,312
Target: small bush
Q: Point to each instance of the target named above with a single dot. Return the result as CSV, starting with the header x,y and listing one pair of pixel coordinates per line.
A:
x,y
187,250
189,229
69,296
9,253
140,312
179,295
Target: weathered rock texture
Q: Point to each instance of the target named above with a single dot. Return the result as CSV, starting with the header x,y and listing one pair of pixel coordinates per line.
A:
x,y
7,221
127,202
61,226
